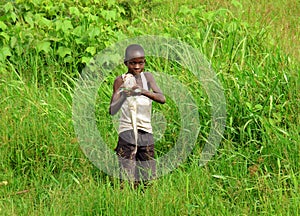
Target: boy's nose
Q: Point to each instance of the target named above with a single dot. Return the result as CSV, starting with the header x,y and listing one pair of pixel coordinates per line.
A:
x,y
137,65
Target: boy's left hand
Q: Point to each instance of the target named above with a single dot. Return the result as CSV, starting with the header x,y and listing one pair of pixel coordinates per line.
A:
x,y
136,91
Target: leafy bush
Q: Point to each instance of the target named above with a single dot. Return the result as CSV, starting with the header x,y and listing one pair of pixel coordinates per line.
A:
x,y
38,37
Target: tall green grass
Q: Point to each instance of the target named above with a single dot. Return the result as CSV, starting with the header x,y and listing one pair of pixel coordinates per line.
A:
x,y
42,168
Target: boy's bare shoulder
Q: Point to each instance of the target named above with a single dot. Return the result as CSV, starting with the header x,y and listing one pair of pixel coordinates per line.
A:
x,y
148,75
118,78
118,81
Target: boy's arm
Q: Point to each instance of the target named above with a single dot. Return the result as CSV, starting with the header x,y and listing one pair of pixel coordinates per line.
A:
x,y
156,94
117,98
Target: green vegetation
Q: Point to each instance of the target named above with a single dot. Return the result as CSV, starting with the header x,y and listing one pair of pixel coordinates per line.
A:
x,y
254,49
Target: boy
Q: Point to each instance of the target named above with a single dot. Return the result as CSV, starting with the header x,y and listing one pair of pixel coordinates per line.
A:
x,y
133,94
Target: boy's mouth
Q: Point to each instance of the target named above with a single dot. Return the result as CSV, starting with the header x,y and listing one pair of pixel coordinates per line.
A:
x,y
137,71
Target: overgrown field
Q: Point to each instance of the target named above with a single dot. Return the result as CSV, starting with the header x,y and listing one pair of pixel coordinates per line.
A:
x,y
252,47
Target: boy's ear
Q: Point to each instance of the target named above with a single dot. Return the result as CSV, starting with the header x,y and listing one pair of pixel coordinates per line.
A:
x,y
126,63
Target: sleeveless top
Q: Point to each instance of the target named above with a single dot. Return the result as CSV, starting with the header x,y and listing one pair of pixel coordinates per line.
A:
x,y
143,112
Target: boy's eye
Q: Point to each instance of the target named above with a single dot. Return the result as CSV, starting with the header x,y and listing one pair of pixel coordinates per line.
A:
x,y
134,63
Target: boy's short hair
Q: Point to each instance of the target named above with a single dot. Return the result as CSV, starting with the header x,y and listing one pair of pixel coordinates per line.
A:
x,y
134,51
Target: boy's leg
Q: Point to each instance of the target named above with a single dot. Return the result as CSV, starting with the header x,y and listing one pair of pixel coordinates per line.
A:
x,y
146,166
127,160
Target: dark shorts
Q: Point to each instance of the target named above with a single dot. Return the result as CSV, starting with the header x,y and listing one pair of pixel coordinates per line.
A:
x,y
139,166
144,138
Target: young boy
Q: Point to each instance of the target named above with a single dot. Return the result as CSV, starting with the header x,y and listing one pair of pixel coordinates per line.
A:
x,y
133,94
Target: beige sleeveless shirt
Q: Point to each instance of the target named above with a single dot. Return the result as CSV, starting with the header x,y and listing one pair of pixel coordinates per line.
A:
x,y
143,112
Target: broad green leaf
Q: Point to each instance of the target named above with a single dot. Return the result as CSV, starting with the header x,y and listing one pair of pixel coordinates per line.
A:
x,y
13,16
28,19
94,31
93,18
79,41
74,10
5,36
42,21
68,59
91,50
111,3
249,105
63,51
64,25
121,10
109,15
13,41
59,25
67,24
8,7
78,31
86,59
4,52
43,46
3,26
56,39
46,22
19,49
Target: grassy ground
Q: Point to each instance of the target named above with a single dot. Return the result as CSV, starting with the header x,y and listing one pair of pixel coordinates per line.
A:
x,y
254,49
280,17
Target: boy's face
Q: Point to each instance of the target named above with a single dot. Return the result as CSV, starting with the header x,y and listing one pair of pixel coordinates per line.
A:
x,y
136,65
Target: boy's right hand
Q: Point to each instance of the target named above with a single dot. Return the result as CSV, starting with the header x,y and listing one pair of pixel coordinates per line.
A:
x,y
134,91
